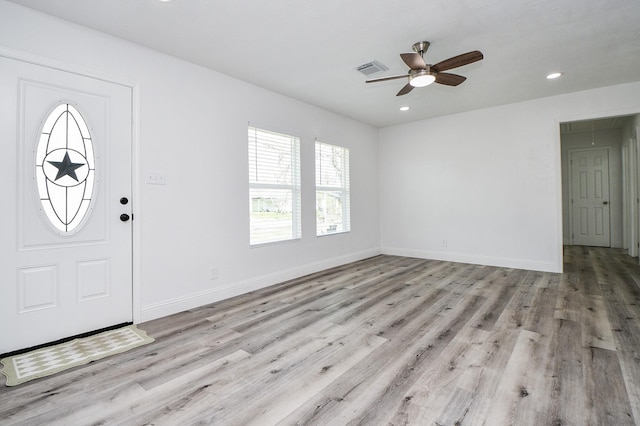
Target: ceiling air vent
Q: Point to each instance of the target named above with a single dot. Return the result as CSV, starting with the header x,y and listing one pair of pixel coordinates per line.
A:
x,y
371,68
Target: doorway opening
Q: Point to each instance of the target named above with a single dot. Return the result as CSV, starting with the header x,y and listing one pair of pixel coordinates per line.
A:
x,y
600,182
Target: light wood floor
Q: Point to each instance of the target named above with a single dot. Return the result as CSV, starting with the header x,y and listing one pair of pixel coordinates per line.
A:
x,y
383,341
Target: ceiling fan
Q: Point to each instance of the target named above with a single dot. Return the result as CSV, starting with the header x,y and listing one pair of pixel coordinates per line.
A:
x,y
422,74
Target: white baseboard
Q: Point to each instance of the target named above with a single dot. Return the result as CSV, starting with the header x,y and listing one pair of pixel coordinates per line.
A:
x,y
194,300
475,259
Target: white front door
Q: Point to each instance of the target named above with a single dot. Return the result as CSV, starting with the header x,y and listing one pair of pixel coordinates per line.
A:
x,y
66,252
590,197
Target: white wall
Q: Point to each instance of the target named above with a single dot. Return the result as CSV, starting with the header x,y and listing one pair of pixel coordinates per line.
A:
x,y
612,139
192,126
487,181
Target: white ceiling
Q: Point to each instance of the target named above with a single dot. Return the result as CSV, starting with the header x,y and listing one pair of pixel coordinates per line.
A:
x,y
309,49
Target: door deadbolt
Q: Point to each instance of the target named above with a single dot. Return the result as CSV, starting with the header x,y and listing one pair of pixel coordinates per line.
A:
x,y
124,200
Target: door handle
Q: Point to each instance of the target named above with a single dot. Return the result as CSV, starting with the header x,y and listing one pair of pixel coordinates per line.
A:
x,y
605,202
124,217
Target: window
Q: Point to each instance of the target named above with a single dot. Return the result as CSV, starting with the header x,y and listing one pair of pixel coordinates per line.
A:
x,y
274,186
332,189
65,169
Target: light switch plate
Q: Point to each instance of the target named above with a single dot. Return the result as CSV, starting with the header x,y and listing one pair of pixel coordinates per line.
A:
x,y
155,178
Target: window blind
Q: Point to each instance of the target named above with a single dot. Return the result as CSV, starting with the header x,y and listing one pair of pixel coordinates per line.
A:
x,y
333,210
274,186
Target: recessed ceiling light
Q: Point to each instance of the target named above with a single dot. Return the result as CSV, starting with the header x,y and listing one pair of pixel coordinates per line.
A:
x,y
554,75
404,108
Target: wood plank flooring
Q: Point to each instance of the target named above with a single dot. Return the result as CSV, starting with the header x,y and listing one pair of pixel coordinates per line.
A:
x,y
384,341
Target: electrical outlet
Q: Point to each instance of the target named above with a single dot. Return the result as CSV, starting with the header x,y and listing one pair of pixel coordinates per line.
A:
x,y
214,272
444,243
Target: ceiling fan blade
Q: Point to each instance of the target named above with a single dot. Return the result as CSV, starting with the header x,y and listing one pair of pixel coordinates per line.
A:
x,y
414,60
406,89
449,79
458,61
375,80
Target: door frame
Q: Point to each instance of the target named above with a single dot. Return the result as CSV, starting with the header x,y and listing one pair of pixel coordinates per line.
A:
x,y
634,141
135,150
570,173
630,195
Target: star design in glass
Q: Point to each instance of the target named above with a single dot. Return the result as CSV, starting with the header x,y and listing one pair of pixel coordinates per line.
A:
x,y
66,167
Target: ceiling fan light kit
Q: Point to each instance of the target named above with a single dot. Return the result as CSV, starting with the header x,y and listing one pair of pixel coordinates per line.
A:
x,y
422,74
421,78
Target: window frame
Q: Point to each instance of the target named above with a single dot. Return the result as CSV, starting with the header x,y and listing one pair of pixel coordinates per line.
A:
x,y
344,189
257,135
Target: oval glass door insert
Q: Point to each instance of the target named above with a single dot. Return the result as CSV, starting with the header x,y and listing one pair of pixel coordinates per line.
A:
x,y
65,169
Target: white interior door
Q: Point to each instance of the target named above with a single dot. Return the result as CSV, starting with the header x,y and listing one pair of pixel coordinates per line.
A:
x,y
590,197
66,254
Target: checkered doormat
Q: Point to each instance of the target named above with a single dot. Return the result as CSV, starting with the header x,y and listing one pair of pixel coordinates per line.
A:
x,y
53,359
